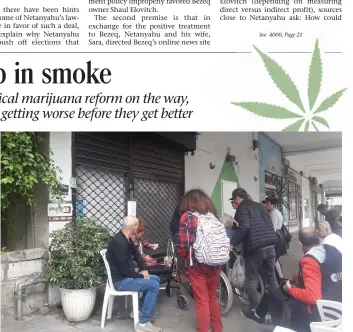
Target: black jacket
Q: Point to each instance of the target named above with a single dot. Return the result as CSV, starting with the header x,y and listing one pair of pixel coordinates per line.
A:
x,y
332,218
255,227
120,255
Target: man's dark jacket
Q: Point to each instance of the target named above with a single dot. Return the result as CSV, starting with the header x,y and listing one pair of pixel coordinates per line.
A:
x,y
255,227
332,217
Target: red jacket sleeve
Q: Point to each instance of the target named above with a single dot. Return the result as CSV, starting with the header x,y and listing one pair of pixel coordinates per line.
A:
x,y
311,274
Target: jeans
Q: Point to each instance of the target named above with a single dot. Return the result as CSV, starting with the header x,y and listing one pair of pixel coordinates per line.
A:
x,y
150,290
204,286
260,262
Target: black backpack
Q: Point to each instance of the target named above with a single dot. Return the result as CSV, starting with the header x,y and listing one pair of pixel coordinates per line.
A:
x,y
287,235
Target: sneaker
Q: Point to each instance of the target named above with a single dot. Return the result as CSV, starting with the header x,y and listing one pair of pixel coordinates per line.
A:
x,y
268,319
132,316
148,328
253,315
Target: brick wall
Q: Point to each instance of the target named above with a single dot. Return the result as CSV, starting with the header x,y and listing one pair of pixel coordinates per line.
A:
x,y
18,267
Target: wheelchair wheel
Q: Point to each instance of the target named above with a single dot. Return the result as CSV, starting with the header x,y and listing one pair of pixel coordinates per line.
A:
x,y
243,297
225,294
169,290
182,302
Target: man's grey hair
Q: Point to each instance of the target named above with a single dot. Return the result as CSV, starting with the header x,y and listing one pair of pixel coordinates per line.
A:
x,y
227,220
130,222
325,224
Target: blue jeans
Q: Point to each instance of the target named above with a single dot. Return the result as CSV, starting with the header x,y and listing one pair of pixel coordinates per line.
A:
x,y
150,290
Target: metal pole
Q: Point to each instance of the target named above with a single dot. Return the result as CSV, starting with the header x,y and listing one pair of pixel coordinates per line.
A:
x,y
19,294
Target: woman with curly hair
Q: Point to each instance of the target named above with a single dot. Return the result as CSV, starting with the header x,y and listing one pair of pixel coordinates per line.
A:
x,y
137,239
204,279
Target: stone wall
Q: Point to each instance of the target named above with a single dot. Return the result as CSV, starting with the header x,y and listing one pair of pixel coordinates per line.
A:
x,y
23,266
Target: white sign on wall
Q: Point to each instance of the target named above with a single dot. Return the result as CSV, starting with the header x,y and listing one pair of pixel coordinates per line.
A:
x,y
62,212
227,189
131,208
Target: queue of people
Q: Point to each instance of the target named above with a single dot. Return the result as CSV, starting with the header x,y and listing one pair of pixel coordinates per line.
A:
x,y
202,248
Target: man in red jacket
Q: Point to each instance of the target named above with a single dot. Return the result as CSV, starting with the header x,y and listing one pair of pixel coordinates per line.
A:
x,y
320,277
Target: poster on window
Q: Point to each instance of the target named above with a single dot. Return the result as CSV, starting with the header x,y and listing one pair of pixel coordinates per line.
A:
x,y
272,183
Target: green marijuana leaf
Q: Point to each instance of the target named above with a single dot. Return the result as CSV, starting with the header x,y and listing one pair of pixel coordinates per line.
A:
x,y
268,111
314,125
330,101
321,120
285,84
295,126
307,124
282,80
315,76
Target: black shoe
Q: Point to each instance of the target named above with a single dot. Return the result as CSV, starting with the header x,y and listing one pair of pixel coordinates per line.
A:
x,y
252,315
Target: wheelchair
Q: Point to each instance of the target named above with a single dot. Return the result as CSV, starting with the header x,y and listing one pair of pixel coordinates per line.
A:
x,y
170,277
167,275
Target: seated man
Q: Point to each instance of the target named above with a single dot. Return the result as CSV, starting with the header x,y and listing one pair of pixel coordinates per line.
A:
x,y
120,254
327,237
320,277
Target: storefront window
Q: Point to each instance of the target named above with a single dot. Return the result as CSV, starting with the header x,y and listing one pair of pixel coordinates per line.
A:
x,y
272,182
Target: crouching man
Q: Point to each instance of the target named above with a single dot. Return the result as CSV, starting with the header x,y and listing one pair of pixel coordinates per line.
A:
x,y
320,277
121,254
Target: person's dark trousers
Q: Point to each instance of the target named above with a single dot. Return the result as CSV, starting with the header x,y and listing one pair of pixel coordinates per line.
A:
x,y
262,262
284,311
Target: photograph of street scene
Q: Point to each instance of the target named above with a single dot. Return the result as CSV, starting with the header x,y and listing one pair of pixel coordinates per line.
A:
x,y
171,231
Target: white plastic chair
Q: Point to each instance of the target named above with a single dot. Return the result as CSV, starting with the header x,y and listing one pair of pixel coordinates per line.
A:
x,y
282,329
326,310
110,293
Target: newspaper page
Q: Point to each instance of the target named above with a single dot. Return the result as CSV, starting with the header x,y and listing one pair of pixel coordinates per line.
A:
x,y
142,64
73,70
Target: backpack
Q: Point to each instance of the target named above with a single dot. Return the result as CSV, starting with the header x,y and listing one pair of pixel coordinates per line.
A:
x,y
287,235
211,246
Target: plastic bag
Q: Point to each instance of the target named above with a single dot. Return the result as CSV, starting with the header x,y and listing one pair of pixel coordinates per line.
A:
x,y
237,273
168,260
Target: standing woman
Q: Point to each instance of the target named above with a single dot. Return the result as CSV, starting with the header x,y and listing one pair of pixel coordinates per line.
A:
x,y
277,222
204,279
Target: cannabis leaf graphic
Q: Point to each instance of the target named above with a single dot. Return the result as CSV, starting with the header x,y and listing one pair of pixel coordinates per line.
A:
x,y
285,84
